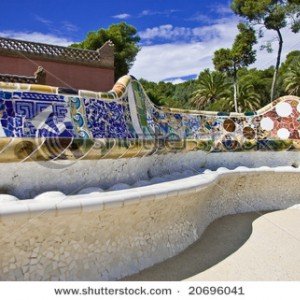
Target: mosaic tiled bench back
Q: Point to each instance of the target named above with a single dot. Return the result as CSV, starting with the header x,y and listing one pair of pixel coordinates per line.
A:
x,y
125,114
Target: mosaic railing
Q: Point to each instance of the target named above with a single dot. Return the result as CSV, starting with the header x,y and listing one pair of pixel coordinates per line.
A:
x,y
43,122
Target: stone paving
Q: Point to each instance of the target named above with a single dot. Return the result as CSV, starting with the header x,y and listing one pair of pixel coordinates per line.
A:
x,y
251,246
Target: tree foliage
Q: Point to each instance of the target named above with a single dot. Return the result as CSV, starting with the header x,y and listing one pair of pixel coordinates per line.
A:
x,y
274,15
125,39
292,79
291,59
240,55
249,99
213,90
215,94
211,86
160,93
261,80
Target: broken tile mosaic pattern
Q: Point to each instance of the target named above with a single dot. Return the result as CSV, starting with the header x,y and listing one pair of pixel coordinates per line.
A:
x,y
29,111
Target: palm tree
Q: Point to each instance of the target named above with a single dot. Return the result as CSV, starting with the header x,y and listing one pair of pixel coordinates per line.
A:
x,y
292,80
249,100
212,86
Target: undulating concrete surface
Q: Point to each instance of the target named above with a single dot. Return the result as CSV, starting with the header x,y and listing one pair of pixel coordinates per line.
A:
x,y
110,235
250,246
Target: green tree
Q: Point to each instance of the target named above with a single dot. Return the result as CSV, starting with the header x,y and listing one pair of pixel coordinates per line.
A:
x,y
292,58
254,87
292,79
240,55
169,94
159,93
211,87
274,15
249,99
125,40
261,80
183,94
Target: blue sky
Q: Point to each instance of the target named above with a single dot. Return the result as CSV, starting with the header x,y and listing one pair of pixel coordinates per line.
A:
x,y
178,37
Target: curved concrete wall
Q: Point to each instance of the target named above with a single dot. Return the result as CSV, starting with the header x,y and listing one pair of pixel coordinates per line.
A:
x,y
28,180
105,236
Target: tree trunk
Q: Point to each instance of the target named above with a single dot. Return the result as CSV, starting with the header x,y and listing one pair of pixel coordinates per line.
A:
x,y
235,96
235,90
277,64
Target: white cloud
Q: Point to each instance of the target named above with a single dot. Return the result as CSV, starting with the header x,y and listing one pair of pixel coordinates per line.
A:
x,y
167,32
176,80
158,62
189,50
199,17
149,12
43,20
178,59
122,16
57,28
68,26
37,37
170,33
222,9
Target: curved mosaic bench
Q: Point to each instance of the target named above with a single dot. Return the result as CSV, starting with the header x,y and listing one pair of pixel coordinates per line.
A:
x,y
48,123
71,154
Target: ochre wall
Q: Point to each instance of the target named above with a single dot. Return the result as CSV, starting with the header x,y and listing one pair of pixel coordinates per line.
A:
x,y
61,74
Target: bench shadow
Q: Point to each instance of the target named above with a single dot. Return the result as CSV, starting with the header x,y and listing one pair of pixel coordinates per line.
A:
x,y
220,239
